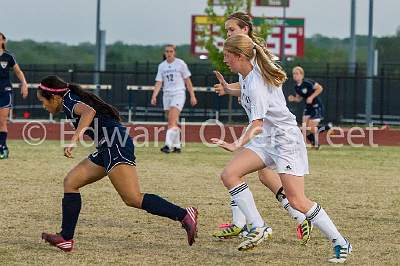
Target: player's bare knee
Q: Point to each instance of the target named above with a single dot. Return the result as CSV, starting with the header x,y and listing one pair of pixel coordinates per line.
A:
x,y
135,202
69,184
227,178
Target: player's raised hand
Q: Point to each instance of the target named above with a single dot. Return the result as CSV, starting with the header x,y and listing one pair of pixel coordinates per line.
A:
x,y
219,89
291,98
221,79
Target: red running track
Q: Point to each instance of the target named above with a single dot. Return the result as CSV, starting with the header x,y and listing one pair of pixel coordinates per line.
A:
x,y
195,133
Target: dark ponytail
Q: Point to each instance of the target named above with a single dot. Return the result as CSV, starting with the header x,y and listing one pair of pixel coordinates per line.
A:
x,y
3,46
94,101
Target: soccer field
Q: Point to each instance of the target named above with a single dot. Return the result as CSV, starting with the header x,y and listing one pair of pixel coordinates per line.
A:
x,y
358,187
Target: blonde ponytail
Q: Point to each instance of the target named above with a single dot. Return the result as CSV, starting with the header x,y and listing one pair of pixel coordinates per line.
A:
x,y
271,72
242,44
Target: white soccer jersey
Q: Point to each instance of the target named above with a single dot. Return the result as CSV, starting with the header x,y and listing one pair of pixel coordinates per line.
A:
x,y
173,75
264,101
281,145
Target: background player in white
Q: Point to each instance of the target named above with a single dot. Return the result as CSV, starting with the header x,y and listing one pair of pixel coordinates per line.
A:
x,y
240,23
7,62
273,140
173,75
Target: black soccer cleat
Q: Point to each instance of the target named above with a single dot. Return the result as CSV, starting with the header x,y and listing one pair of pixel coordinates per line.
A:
x,y
165,149
177,150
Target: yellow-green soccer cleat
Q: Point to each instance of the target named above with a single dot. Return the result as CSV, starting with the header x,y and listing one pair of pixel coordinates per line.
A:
x,y
341,253
255,237
4,154
231,231
304,232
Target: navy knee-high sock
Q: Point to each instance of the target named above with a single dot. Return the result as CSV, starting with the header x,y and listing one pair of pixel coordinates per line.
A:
x,y
311,138
3,140
71,207
324,128
158,206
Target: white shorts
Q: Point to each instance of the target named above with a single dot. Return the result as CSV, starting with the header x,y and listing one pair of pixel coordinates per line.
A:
x,y
176,100
284,152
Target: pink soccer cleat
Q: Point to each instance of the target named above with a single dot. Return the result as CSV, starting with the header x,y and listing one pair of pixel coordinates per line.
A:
x,y
189,222
58,241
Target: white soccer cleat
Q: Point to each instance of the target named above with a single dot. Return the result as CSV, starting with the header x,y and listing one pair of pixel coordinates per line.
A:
x,y
255,237
341,253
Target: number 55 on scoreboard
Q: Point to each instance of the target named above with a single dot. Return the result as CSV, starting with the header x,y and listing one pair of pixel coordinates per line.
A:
x,y
294,35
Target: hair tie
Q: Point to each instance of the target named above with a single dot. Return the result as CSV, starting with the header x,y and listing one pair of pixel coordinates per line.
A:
x,y
41,86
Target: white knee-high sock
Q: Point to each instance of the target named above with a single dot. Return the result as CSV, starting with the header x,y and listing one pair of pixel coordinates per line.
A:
x,y
169,137
295,214
318,217
176,141
243,197
238,217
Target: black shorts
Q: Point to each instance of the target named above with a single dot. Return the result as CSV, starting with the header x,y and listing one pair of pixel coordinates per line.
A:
x,y
315,111
6,100
112,155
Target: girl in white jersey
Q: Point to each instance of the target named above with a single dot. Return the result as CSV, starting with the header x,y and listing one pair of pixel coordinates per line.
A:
x,y
272,140
240,23
173,75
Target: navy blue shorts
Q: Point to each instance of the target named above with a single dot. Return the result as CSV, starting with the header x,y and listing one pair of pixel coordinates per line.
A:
x,y
6,100
315,111
112,155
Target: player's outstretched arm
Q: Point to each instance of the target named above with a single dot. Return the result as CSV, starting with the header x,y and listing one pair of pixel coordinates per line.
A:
x,y
157,88
254,129
24,85
189,87
317,91
87,114
297,98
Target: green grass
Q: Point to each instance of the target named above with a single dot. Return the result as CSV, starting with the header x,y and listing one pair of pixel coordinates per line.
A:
x,y
358,187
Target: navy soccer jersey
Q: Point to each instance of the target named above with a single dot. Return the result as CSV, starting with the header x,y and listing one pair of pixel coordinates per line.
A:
x,y
306,89
315,110
102,124
7,62
114,145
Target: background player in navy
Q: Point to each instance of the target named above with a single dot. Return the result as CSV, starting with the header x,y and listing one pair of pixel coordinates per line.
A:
x,y
314,111
7,62
114,157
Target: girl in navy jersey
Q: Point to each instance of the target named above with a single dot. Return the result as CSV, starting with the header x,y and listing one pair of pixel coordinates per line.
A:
x,y
7,62
309,90
240,23
273,140
114,157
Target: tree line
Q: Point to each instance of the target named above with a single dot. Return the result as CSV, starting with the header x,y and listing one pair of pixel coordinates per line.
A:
x,y
318,49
